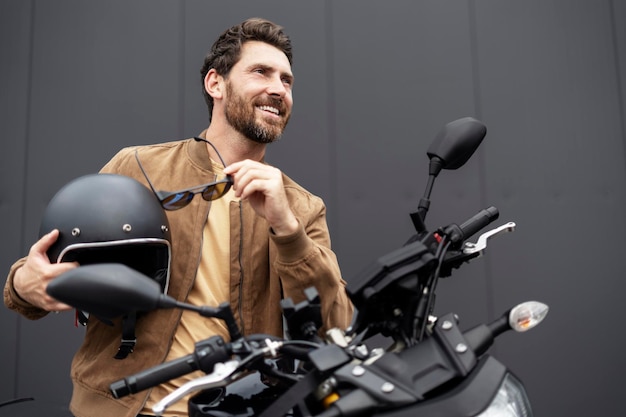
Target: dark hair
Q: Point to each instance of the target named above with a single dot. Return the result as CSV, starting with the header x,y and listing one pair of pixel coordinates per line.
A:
x,y
226,50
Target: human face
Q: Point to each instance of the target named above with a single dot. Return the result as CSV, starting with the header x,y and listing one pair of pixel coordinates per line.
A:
x,y
258,93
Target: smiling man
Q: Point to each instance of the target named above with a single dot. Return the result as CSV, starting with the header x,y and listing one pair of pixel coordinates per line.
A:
x,y
254,236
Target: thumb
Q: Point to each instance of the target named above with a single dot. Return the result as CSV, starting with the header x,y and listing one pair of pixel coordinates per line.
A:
x,y
45,242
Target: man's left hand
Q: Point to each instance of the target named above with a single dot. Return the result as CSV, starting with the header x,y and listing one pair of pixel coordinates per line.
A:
x,y
262,185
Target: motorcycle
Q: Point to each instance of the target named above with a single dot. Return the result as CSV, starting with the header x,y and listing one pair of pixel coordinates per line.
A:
x,y
431,367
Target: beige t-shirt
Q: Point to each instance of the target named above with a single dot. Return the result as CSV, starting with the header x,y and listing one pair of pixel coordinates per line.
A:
x,y
210,288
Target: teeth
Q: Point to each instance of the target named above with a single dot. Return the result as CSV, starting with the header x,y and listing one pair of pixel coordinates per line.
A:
x,y
270,109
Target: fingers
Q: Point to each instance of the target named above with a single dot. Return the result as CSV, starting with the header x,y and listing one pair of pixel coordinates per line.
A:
x,y
51,304
250,177
55,270
31,280
262,185
44,243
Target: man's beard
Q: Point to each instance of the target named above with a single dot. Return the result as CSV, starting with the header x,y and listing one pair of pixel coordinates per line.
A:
x,y
242,116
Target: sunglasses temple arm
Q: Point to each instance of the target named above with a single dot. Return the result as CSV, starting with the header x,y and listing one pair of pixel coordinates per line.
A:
x,y
198,139
146,175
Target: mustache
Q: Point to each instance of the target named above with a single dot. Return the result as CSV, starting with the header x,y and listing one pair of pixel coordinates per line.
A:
x,y
273,102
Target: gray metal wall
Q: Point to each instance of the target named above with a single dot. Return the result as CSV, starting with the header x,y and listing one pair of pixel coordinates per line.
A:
x,y
375,81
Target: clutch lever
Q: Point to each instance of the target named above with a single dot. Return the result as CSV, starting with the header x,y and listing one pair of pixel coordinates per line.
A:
x,y
218,378
477,248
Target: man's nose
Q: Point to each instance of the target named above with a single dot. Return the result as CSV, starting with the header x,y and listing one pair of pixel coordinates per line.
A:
x,y
277,87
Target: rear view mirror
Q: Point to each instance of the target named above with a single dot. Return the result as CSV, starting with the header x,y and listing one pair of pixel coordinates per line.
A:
x,y
106,290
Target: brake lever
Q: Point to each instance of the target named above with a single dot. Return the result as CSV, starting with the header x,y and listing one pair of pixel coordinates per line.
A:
x,y
218,378
477,248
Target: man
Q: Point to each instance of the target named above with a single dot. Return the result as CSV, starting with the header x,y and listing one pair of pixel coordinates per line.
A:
x,y
264,240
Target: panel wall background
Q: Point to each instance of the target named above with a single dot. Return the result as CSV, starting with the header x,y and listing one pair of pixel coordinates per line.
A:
x,y
375,81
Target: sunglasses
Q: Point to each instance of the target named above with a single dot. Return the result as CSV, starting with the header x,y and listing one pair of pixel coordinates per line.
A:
x,y
174,200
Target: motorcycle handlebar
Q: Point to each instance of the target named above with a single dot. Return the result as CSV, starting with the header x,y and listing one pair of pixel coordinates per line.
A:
x,y
458,234
206,354
478,221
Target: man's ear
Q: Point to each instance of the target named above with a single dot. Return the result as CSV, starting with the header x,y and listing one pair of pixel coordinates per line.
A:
x,y
214,84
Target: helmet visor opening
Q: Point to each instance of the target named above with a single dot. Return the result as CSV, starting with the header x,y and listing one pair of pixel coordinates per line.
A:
x,y
150,258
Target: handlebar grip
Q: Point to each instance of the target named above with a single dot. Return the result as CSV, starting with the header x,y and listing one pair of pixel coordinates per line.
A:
x,y
206,354
479,220
154,376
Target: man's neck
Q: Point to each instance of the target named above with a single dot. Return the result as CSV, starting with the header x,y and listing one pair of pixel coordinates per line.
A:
x,y
232,145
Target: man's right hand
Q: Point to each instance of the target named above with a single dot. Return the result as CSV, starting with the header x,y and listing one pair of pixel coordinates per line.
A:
x,y
30,281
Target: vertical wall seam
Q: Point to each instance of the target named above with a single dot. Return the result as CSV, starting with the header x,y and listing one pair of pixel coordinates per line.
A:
x,y
482,170
618,74
332,124
25,172
181,70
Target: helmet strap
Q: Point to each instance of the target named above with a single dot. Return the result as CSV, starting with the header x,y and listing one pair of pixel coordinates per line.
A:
x,y
127,345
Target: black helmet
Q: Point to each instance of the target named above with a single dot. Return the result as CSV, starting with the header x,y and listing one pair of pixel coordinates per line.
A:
x,y
110,218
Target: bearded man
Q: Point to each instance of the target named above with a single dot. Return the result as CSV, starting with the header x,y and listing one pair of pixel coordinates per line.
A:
x,y
253,237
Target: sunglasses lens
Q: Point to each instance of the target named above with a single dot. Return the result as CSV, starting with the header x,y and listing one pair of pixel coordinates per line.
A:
x,y
213,192
176,201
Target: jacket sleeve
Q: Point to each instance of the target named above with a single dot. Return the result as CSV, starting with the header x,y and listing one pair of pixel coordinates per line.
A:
x,y
305,259
14,302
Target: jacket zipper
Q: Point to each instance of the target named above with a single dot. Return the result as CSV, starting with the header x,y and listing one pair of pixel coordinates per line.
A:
x,y
240,259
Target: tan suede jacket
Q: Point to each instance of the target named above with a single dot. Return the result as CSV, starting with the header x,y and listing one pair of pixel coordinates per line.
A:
x,y
264,268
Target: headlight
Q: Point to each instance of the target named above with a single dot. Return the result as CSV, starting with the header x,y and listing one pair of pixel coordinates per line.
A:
x,y
510,401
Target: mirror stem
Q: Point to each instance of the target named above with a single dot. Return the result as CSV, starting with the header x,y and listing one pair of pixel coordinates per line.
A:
x,y
435,166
